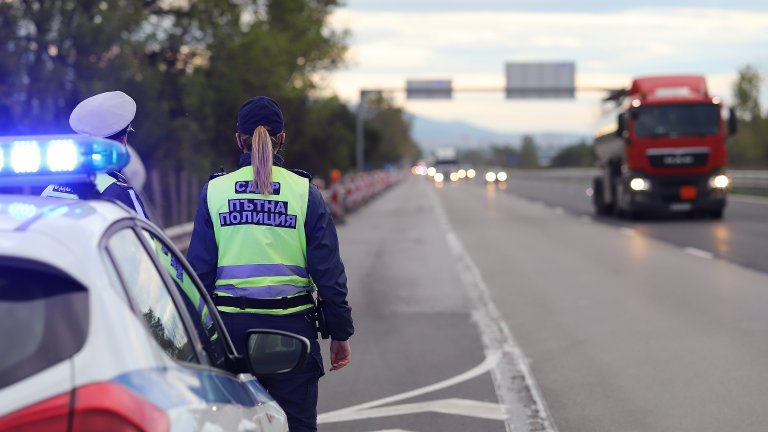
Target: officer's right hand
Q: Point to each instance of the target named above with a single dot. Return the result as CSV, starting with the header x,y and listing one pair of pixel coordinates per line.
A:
x,y
341,354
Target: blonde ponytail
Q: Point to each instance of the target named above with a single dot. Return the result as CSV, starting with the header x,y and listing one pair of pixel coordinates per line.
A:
x,y
261,160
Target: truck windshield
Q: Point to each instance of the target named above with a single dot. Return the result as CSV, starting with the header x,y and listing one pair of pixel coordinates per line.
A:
x,y
676,120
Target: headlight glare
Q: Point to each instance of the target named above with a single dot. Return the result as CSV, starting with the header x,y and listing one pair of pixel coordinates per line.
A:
x,y
719,181
639,184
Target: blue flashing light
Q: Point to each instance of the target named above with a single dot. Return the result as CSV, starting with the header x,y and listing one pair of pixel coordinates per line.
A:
x,y
62,155
57,158
25,156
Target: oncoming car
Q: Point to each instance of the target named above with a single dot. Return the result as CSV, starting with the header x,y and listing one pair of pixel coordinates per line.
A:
x,y
105,326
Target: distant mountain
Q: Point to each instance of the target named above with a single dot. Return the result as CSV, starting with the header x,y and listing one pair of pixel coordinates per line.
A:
x,y
431,134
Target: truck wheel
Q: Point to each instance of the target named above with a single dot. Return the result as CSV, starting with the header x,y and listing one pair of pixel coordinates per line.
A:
x,y
598,197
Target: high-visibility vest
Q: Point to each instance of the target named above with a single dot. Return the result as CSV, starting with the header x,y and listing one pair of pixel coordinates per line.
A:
x,y
262,246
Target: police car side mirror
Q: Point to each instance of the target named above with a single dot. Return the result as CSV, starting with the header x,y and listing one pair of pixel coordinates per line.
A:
x,y
275,351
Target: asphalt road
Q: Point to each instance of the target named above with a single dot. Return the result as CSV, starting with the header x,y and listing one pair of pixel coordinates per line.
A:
x,y
740,237
621,331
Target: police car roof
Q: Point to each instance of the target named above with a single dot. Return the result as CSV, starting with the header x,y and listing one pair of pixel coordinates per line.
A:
x,y
57,231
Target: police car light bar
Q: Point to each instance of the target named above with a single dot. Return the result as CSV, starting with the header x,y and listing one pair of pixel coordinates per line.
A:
x,y
43,159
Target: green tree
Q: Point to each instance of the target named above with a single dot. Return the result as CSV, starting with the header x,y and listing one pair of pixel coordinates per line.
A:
x,y
749,148
476,157
275,48
328,139
577,155
55,53
504,155
388,139
529,153
746,93
189,65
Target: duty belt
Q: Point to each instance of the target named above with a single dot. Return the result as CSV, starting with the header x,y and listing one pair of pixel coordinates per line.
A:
x,y
272,303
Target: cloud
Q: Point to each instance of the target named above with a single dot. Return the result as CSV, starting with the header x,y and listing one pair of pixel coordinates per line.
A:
x,y
471,47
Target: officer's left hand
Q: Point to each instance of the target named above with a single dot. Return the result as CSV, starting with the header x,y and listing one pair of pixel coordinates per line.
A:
x,y
341,354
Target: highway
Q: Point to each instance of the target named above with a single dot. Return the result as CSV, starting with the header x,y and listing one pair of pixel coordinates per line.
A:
x,y
741,237
488,310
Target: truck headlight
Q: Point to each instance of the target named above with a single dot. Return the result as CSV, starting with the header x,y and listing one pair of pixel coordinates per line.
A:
x,y
639,184
719,181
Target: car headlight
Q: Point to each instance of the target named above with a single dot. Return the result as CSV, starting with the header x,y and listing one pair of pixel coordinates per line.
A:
x,y
719,181
454,176
431,171
501,176
471,173
490,177
639,184
439,177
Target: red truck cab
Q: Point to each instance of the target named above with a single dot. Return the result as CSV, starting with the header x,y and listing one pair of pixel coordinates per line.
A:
x,y
664,149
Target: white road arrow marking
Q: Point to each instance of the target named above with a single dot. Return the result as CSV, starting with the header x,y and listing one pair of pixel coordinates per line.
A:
x,y
462,407
487,364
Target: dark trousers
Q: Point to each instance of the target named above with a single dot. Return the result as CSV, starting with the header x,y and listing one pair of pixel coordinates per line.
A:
x,y
295,392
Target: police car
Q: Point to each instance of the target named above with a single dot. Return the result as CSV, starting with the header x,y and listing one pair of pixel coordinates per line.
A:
x,y
104,326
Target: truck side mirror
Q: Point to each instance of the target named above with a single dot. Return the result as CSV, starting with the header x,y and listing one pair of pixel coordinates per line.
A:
x,y
274,351
733,122
621,125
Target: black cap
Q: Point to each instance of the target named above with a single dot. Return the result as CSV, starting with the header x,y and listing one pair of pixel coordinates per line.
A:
x,y
259,111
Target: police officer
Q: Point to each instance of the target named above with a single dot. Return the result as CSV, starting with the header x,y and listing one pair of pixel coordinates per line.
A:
x,y
263,240
105,115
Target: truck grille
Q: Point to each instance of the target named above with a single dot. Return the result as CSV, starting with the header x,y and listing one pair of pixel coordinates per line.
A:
x,y
674,158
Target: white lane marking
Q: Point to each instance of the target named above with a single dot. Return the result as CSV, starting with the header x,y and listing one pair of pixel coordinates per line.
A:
x,y
699,253
628,231
489,363
461,407
516,389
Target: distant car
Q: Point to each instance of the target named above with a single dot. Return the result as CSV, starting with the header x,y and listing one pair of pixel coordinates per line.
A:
x,y
105,326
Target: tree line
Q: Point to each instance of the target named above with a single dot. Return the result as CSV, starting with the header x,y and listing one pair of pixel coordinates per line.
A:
x,y
189,66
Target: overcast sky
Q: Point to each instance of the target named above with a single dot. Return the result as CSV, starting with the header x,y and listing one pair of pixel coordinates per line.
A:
x,y
610,41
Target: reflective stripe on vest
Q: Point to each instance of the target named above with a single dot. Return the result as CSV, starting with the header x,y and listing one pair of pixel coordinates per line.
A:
x,y
264,253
